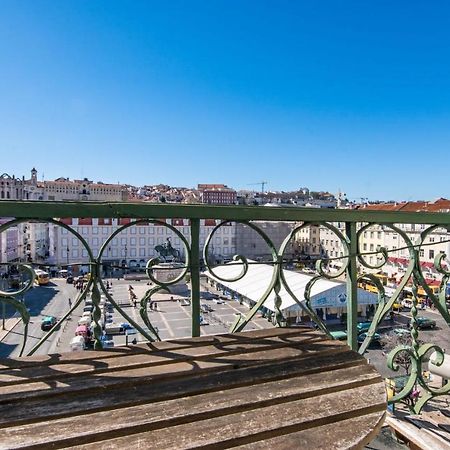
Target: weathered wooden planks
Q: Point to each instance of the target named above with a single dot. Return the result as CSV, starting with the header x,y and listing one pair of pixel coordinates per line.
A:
x,y
247,389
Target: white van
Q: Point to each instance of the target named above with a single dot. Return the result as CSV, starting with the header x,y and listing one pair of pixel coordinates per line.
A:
x,y
77,344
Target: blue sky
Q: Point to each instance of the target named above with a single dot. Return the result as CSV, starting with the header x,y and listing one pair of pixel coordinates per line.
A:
x,y
332,95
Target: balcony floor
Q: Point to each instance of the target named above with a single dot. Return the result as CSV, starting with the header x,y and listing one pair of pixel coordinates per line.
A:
x,y
275,388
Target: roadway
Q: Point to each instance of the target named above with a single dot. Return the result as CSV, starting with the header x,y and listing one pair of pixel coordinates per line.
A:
x,y
40,301
172,318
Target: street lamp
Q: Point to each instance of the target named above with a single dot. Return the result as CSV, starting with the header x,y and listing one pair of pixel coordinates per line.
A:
x,y
67,250
126,262
109,263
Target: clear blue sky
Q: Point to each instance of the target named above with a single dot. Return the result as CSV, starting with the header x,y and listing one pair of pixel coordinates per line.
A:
x,y
330,94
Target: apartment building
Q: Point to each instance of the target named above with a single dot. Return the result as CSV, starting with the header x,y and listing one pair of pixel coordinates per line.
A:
x,y
11,188
217,194
9,243
135,245
63,189
376,236
250,244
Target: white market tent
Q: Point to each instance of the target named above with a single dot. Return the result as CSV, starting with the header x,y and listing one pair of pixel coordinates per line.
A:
x,y
324,293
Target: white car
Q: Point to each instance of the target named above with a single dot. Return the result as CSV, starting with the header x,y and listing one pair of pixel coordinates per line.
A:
x,y
219,301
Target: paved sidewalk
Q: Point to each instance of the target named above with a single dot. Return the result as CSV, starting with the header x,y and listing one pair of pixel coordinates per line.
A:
x,y
9,326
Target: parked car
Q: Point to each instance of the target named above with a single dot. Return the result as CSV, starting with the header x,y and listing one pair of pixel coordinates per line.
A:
x,y
363,326
375,338
401,332
77,344
397,306
407,303
69,279
84,321
113,328
206,308
219,301
48,322
423,322
339,335
107,341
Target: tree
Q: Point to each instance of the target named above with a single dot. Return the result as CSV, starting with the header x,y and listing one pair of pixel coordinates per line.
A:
x,y
393,340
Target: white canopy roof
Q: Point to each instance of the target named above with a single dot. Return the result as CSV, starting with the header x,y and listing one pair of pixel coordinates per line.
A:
x,y
258,277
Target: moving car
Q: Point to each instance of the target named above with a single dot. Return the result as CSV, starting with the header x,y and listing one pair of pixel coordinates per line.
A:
x,y
423,322
375,338
48,323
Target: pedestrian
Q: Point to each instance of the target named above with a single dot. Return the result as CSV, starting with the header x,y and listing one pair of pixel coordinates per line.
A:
x,y
70,303
156,306
134,302
151,305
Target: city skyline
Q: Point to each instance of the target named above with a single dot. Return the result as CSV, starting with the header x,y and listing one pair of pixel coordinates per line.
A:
x,y
351,98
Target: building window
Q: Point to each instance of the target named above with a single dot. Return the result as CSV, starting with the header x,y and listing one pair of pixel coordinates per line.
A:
x,y
431,254
421,252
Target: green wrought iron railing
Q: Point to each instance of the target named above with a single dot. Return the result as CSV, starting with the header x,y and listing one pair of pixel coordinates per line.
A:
x,y
354,268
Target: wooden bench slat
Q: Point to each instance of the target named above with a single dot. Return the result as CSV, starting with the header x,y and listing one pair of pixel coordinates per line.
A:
x,y
24,391
272,388
255,425
331,435
129,420
174,344
53,371
165,389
